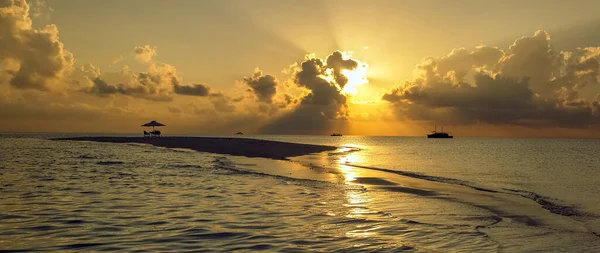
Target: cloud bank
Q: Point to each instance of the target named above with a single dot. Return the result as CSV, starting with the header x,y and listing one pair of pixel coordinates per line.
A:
x,y
529,84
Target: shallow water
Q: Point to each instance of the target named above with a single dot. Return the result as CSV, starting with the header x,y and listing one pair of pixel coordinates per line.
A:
x,y
82,196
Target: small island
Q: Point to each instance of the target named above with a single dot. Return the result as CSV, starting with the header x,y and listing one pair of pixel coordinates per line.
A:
x,y
230,146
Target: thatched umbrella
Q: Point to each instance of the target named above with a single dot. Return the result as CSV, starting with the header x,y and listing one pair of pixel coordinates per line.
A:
x,y
153,124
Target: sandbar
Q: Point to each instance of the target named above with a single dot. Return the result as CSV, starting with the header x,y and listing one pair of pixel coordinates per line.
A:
x,y
219,145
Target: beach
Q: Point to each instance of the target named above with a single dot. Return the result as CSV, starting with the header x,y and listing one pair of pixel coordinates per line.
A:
x,y
374,194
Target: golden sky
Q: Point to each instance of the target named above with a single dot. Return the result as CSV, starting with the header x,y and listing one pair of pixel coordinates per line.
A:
x,y
482,68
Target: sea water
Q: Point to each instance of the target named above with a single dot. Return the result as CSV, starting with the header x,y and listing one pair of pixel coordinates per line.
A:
x,y
380,194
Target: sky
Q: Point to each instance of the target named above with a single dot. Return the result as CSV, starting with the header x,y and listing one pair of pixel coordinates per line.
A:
x,y
480,68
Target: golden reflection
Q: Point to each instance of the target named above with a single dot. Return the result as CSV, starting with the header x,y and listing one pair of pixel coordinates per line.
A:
x,y
344,149
348,173
358,204
359,233
350,155
357,198
350,159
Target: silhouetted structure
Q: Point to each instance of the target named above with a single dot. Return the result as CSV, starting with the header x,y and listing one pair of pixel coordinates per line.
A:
x,y
336,134
152,124
439,135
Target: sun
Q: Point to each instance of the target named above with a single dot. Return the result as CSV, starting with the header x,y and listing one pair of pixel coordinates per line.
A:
x,y
356,77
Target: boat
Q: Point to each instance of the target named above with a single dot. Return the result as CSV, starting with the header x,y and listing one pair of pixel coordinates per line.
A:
x,y
439,135
336,134
239,133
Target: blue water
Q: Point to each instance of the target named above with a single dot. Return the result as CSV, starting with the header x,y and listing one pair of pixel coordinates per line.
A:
x,y
373,194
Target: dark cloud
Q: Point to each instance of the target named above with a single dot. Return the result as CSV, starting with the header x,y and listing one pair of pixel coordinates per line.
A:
x,y
192,90
529,84
102,88
288,99
337,63
158,83
263,86
324,108
155,85
311,75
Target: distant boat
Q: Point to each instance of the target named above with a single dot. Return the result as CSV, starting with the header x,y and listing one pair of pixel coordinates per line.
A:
x,y
239,133
336,134
439,135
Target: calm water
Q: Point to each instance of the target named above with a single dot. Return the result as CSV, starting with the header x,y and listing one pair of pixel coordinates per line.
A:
x,y
381,194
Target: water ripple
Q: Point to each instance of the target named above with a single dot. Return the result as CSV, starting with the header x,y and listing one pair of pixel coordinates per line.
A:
x,y
107,197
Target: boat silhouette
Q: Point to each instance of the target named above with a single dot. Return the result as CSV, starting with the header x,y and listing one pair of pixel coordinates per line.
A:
x,y
439,135
336,134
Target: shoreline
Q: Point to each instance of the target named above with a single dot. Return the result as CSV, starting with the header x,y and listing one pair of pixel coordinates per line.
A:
x,y
218,145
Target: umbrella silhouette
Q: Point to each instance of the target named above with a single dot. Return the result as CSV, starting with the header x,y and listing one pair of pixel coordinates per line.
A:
x,y
153,124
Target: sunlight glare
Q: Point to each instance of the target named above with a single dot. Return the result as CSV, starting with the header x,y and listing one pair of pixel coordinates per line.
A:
x,y
350,159
356,77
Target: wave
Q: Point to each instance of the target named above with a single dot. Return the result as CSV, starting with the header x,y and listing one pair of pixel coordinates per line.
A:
x,y
224,164
551,206
544,202
344,150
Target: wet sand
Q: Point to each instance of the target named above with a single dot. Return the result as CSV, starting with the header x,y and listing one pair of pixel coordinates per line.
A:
x,y
230,146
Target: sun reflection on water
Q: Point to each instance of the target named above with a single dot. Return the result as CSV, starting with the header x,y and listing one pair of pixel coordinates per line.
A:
x,y
350,159
357,198
348,173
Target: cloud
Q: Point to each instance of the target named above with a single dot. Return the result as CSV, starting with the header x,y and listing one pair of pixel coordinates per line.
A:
x,y
324,107
40,8
338,62
36,58
145,53
102,88
221,102
191,90
157,83
325,83
529,84
263,86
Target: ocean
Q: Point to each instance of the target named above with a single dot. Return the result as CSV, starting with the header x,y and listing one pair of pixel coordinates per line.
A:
x,y
372,194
